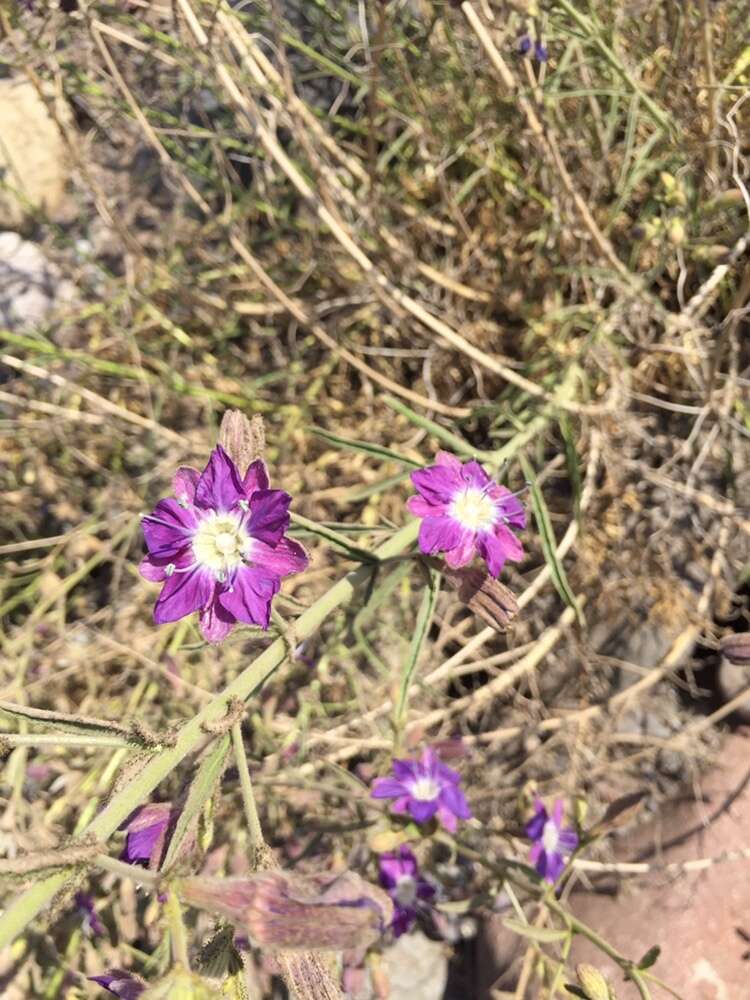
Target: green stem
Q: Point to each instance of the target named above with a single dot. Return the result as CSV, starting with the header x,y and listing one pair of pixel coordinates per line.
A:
x,y
26,906
248,797
141,875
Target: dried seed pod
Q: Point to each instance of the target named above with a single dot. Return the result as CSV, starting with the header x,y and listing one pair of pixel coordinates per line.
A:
x,y
736,648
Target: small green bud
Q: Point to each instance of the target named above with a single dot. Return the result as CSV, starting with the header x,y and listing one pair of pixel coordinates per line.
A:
x,y
593,983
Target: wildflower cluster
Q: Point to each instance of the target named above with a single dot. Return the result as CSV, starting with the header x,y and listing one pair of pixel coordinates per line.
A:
x,y
219,547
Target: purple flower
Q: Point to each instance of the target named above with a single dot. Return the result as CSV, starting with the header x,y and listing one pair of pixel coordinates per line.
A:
x,y
552,843
425,788
401,878
145,831
524,45
540,51
92,925
220,547
465,513
120,983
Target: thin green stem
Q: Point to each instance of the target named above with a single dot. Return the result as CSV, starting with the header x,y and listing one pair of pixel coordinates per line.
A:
x,y
246,785
141,875
26,906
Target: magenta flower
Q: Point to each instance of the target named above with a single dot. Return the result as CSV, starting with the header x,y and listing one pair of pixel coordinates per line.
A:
x,y
220,547
552,843
145,832
425,788
120,983
402,880
464,514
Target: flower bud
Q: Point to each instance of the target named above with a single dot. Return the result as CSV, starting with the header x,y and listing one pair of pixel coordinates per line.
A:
x,y
484,595
676,232
283,910
736,648
593,983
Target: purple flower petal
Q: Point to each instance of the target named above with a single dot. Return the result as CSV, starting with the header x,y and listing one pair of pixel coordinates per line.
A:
x,y
387,788
422,810
219,487
557,813
474,475
183,593
464,552
282,559
492,551
423,508
401,804
512,548
568,841
439,534
215,621
184,482
555,865
447,820
256,478
535,826
269,515
144,831
450,461
249,596
438,484
155,570
453,798
169,528
405,770
120,983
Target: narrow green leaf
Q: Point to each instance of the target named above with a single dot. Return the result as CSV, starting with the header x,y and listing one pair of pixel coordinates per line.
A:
x,y
547,538
544,935
424,620
571,459
365,447
447,437
201,790
335,538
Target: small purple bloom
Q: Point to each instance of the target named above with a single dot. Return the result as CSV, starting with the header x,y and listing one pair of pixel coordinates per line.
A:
x,y
219,547
552,844
92,925
145,830
402,880
464,514
540,51
120,983
524,45
425,788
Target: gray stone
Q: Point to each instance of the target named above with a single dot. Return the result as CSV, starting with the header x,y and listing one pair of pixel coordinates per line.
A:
x,y
417,968
31,287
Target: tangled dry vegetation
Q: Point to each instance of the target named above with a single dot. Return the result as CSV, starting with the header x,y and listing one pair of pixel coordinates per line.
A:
x,y
383,230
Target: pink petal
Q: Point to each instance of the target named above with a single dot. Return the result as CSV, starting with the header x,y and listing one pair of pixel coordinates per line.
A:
x,y
216,622
219,487
256,478
184,482
183,593
168,528
280,560
464,552
439,534
423,508
511,546
249,596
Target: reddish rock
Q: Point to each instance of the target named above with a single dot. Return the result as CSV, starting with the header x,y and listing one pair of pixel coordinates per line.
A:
x,y
701,919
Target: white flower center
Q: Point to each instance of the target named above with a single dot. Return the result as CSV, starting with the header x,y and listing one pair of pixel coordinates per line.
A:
x,y
406,891
474,510
550,837
221,543
425,789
